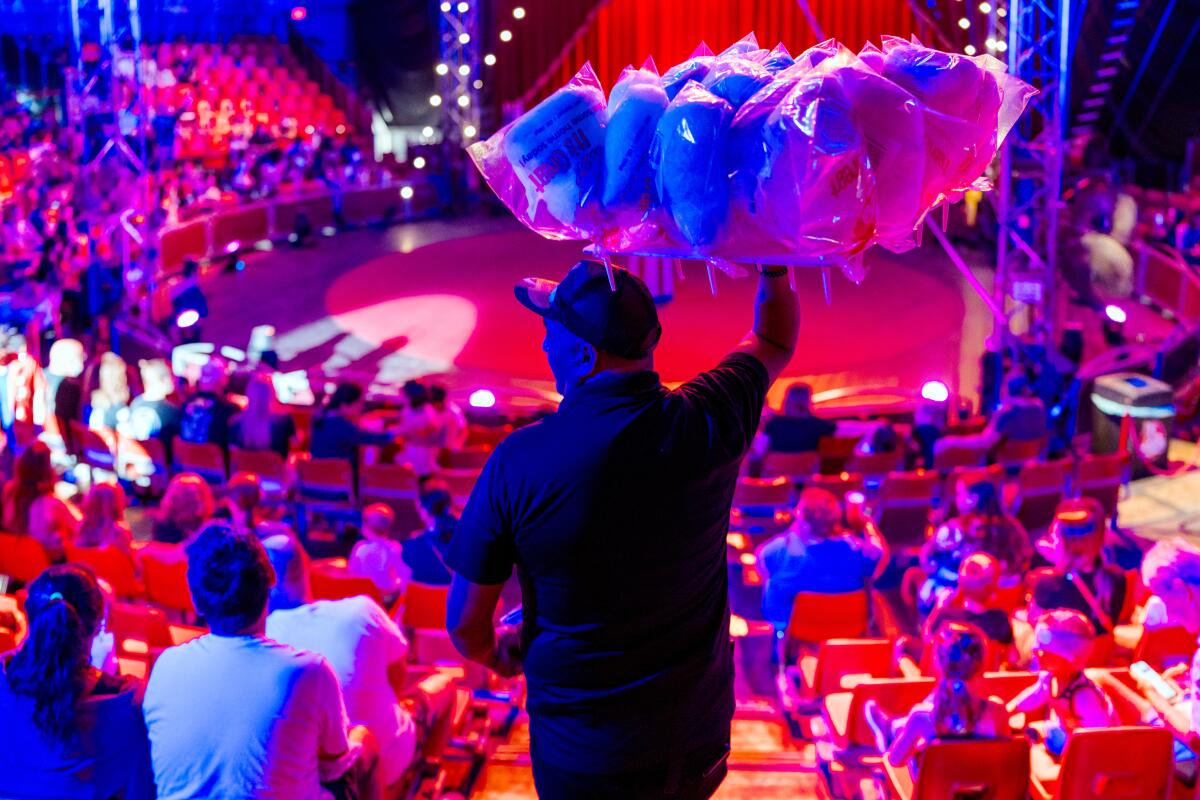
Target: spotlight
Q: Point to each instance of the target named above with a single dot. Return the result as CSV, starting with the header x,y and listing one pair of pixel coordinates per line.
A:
x,y
482,398
233,247
1002,46
463,101
406,193
518,13
427,131
464,70
441,69
969,49
506,35
187,319
1114,325
1116,314
985,8
490,60
419,162
435,100
299,13
463,8
478,84
470,131
464,38
1001,12
445,8
935,391
341,129
964,23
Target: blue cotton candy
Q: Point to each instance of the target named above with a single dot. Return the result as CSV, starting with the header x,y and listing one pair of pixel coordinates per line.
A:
x,y
690,145
736,79
635,107
694,69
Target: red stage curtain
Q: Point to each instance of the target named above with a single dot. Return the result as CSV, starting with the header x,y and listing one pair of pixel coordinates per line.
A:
x,y
556,37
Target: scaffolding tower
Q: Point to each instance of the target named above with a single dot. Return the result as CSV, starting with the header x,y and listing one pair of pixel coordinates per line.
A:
x,y
459,70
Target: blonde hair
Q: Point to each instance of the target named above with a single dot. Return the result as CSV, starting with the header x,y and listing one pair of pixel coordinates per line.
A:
x,y
1172,559
103,509
66,358
187,503
113,391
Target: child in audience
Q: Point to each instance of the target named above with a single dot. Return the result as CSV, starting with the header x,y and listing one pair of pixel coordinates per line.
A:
x,y
1063,641
103,523
978,577
379,558
958,708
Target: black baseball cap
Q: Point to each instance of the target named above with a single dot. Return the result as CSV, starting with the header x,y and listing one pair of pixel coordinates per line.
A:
x,y
623,322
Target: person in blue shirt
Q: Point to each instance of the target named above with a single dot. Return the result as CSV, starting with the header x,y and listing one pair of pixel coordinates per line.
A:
x,y
425,553
817,554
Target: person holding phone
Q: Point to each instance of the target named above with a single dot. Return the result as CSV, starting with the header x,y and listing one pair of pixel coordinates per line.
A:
x,y
614,512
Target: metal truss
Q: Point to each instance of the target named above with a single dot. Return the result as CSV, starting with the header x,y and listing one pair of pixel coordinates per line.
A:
x,y
459,69
1031,163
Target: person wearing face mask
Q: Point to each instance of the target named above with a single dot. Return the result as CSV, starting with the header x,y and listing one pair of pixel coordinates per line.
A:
x,y
628,661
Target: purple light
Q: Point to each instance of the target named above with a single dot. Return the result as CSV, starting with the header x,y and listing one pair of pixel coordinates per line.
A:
x,y
1116,314
935,391
233,247
188,318
856,498
482,398
299,13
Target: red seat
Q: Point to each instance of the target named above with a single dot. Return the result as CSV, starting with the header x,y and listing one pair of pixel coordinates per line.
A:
x,y
959,476
1101,477
470,457
818,617
330,581
843,711
267,465
425,606
1131,763
796,467
206,460
763,493
164,573
1012,453
143,632
834,453
394,485
461,483
839,485
1040,488
836,659
1165,647
112,564
997,769
949,457
22,558
875,465
905,503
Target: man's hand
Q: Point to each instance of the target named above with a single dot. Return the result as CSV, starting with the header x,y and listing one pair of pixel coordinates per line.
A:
x,y
776,323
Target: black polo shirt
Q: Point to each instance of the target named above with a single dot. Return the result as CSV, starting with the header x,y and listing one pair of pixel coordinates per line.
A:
x,y
614,511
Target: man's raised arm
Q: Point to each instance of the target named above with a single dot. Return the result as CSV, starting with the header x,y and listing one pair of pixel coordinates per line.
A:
x,y
772,340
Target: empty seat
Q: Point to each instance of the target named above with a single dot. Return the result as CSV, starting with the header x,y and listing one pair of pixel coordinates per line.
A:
x,y
947,456
796,467
267,465
997,769
1040,488
874,466
330,581
905,503
1101,477
818,617
837,659
1131,763
425,606
764,495
834,452
22,558
112,564
206,460
325,485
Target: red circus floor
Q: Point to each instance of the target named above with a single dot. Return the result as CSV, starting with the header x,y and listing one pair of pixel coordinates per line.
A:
x,y
385,306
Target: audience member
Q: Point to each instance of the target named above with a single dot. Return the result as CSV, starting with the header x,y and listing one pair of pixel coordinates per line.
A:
x,y
109,402
256,427
207,414
929,424
953,541
378,557
235,714
33,509
1063,640
881,440
242,504
69,729
817,555
1021,417
958,708
978,578
186,506
797,430
452,420
1079,578
153,414
425,553
363,646
421,430
64,386
103,523
335,430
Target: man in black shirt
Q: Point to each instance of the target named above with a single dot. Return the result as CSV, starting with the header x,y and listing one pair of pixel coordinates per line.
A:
x,y
796,430
614,511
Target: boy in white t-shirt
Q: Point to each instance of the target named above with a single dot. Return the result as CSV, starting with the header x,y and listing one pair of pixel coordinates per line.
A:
x,y
379,558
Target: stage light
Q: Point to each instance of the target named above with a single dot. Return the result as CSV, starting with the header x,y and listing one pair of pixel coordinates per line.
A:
x,y
340,129
969,49
299,13
1002,46
470,131
463,8
990,43
427,131
310,130
490,60
506,35
518,13
985,8
478,84
435,100
1001,12
1114,325
482,398
464,70
463,101
464,38
1116,314
419,162
749,559
445,8
233,246
187,318
441,69
935,391
964,23
406,193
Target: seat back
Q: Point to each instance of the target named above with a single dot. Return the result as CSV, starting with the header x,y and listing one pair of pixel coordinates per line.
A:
x,y
266,464
1131,763
22,558
164,573
325,480
394,485
470,457
796,467
1007,685
958,476
206,460
94,449
875,465
1165,647
905,502
425,606
461,483
764,494
834,452
486,434
1012,453
1040,487
817,617
838,485
1100,477
894,696
951,456
133,623
982,769
335,583
110,563
837,658
148,457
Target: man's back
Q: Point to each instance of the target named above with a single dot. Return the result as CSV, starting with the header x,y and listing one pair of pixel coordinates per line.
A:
x,y
616,510
1022,419
241,716
797,434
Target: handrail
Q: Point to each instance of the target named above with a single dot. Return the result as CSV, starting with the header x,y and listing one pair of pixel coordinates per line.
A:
x,y
1162,276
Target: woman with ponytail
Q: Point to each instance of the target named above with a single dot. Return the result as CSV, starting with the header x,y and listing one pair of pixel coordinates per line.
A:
x,y
69,730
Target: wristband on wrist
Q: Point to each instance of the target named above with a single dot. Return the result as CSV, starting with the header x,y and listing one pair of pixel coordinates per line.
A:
x,y
773,273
